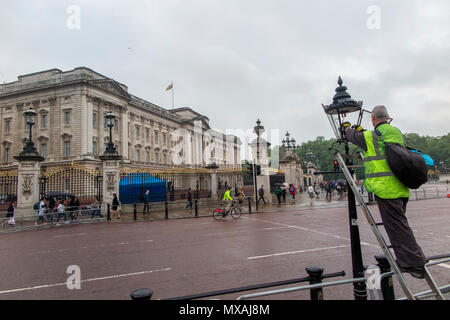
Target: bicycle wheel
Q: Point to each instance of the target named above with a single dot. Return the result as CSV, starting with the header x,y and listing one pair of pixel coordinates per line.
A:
x,y
236,213
217,214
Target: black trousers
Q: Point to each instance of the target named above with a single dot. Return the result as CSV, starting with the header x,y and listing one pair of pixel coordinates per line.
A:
x,y
406,249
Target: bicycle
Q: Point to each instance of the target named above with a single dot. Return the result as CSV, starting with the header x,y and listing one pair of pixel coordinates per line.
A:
x,y
235,211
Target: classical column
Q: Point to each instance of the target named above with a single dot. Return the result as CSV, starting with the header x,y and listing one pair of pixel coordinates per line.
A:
x,y
28,184
29,171
111,165
213,166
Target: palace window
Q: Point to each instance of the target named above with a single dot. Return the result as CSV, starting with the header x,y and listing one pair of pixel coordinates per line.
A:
x,y
7,126
156,157
138,132
6,155
94,120
67,118
44,150
147,156
43,121
67,148
94,147
138,155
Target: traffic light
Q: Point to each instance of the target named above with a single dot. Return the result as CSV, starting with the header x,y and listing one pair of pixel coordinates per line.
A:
x,y
335,165
250,169
258,170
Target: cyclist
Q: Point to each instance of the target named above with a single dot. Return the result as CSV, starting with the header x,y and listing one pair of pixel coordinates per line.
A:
x,y
227,199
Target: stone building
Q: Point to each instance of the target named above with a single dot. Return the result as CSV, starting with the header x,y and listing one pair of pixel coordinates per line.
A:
x,y
71,125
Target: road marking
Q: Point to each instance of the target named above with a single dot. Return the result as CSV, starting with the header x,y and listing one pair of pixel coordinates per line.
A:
x,y
86,280
90,247
295,252
69,235
246,230
319,232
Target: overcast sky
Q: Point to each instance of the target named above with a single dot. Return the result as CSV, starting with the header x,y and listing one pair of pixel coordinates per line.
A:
x,y
238,60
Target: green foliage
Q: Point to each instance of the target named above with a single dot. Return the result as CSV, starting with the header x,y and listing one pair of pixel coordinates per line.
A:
x,y
438,148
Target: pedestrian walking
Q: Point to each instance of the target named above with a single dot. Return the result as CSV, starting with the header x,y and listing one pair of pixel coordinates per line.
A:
x,y
278,193
115,206
96,208
328,190
292,191
10,215
189,199
317,191
261,195
240,195
392,195
311,194
146,202
41,213
61,211
51,207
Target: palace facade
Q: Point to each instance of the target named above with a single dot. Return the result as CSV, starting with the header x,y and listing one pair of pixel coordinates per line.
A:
x,y
71,124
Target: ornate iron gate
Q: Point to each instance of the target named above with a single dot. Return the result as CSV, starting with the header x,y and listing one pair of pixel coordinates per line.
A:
x,y
8,186
83,182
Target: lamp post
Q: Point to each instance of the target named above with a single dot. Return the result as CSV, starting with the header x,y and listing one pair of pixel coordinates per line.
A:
x,y
110,149
342,105
29,151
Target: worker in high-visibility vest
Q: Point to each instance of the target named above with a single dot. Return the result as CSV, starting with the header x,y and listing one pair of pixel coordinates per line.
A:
x,y
391,195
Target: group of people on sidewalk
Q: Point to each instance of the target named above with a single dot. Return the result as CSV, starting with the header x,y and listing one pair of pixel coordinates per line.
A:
x,y
63,208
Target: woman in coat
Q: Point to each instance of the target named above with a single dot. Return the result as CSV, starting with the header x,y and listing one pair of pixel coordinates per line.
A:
x,y
115,206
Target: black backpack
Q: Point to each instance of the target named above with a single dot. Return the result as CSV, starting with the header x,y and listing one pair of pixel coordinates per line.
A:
x,y
409,167
36,206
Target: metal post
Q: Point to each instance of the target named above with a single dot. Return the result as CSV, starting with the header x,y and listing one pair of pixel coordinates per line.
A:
x,y
141,294
315,277
256,186
359,288
387,286
196,207
166,205
249,205
108,212
134,211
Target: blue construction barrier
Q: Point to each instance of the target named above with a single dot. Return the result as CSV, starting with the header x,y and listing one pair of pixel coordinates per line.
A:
x,y
134,185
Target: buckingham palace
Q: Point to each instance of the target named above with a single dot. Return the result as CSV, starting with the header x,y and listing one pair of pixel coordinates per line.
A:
x,y
71,131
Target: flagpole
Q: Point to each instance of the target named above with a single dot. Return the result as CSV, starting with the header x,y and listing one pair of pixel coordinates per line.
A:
x,y
172,97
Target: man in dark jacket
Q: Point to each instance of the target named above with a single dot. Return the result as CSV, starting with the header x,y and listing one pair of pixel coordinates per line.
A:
x,y
146,202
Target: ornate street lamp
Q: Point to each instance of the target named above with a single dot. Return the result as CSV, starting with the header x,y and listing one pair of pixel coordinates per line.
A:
x,y
110,152
111,149
29,151
342,105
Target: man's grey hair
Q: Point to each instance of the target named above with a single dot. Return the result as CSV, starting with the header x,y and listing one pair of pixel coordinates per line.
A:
x,y
380,112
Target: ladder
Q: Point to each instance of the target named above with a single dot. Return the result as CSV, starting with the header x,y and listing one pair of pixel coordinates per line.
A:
x,y
382,242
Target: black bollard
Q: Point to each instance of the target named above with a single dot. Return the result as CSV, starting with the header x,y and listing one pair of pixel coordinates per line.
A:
x,y
387,286
141,294
134,211
108,212
249,205
315,277
196,207
166,205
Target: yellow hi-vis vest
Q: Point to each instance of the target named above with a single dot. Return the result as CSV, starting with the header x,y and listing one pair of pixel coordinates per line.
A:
x,y
379,177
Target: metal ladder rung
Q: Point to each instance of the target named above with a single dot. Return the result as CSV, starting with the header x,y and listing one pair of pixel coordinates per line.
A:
x,y
380,239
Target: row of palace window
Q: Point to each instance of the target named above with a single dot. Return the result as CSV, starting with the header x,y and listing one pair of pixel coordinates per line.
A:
x,y
42,151
147,157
